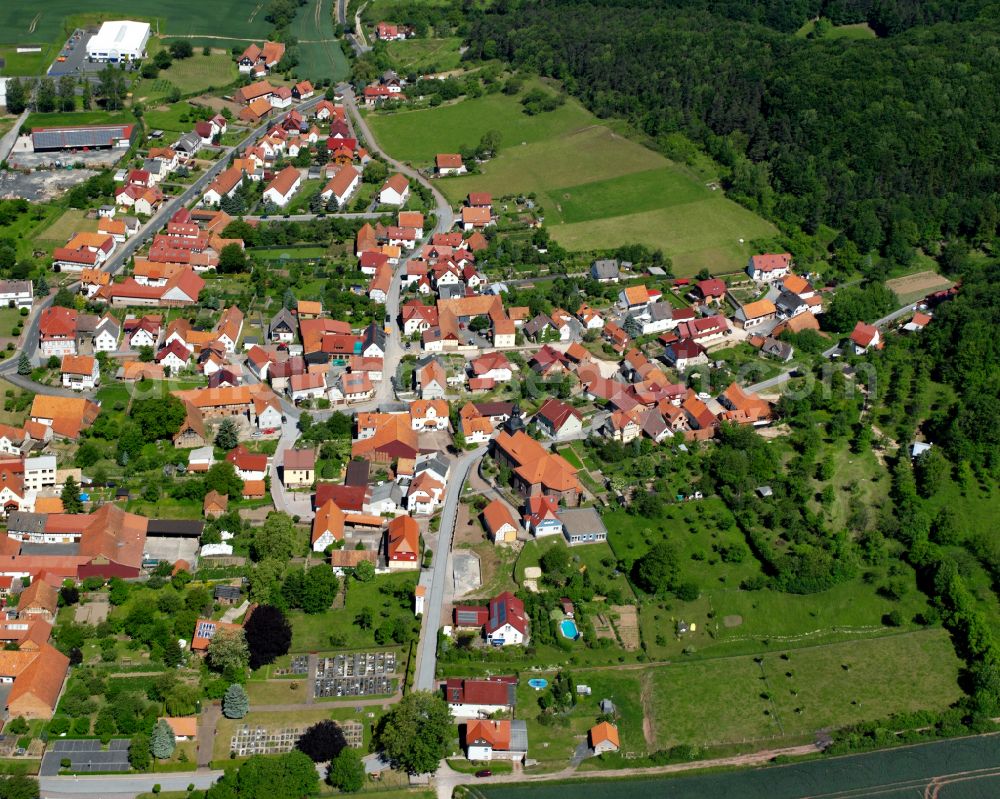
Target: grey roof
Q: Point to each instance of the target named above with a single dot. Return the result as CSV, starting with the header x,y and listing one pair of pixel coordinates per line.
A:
x,y
422,362
438,463
579,521
153,166
661,311
78,137
653,424
787,302
110,324
87,323
227,592
174,527
357,473
23,522
518,735
282,317
537,325
777,349
604,269
189,143
451,291
374,334
387,490
15,286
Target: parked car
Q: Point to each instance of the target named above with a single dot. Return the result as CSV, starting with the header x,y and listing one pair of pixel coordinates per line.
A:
x,y
484,772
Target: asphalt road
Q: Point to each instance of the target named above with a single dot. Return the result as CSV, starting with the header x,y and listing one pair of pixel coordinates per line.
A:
x,y
110,785
784,377
445,221
441,568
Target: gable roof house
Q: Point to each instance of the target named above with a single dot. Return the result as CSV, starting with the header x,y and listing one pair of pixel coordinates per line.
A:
x,y
487,740
280,190
557,419
769,267
499,523
402,544
506,623
864,337
468,698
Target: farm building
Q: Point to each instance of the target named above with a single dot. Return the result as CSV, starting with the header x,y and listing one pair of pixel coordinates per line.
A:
x,y
81,137
119,40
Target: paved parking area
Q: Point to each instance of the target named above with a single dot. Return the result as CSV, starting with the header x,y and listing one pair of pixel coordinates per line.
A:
x,y
86,755
465,566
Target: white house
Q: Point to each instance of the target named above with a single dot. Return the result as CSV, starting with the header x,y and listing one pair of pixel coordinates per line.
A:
x,y
106,335
39,472
769,267
280,190
80,372
16,293
395,191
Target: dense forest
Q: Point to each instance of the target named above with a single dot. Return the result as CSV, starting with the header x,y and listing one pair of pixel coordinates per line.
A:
x,y
891,140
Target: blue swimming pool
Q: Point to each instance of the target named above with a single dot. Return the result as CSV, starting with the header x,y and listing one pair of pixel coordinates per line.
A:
x,y
568,629
538,683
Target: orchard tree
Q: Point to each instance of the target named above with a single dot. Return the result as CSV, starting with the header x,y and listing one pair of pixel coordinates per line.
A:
x,y
656,571
228,650
274,539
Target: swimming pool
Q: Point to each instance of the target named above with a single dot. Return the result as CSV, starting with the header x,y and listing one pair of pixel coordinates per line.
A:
x,y
568,629
538,683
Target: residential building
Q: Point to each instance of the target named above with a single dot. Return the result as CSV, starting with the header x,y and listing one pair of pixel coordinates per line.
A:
x,y
299,468
403,544
487,740
582,526
395,191
557,419
469,698
80,372
506,623
769,267
603,737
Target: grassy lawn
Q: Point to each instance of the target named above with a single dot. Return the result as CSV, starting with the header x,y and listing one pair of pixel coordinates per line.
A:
x,y
553,743
55,119
598,188
25,23
311,633
193,74
72,221
735,700
426,55
16,63
418,136
858,31
586,556
169,118
300,202
289,252
277,692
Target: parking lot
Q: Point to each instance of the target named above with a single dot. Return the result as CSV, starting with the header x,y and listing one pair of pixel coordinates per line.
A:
x,y
74,56
86,755
361,674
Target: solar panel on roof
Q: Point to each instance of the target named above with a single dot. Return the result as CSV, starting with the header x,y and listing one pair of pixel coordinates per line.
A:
x,y
66,138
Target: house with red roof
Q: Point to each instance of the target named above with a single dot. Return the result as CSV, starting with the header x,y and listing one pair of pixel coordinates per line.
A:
x,y
395,190
57,331
506,623
402,544
280,190
865,337
769,267
449,164
480,698
558,419
249,466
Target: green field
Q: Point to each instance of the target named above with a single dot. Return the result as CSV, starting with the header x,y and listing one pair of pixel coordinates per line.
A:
x,y
37,120
320,54
426,55
230,20
598,189
901,773
738,700
190,75
858,31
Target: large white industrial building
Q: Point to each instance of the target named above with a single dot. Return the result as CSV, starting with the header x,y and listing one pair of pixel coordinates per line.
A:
x,y
120,40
